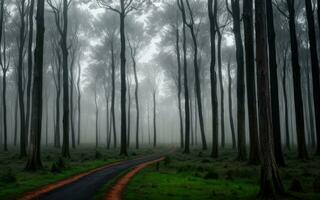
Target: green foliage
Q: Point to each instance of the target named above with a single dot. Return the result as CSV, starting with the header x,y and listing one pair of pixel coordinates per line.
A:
x,y
8,177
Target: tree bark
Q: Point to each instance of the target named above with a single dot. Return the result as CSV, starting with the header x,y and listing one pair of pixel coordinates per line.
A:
x,y
274,87
233,135
79,103
284,81
154,119
23,132
113,96
302,150
179,87
30,62
251,82
235,5
196,73
212,12
185,74
34,159
270,182
315,68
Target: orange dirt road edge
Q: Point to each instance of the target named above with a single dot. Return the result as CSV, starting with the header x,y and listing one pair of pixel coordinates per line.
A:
x,y
53,186
116,191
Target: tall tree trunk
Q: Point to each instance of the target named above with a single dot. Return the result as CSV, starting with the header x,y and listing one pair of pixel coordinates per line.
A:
x,y
30,62
212,12
302,150
97,117
129,113
47,115
240,81
270,182
79,103
251,82
196,73
4,104
23,132
233,135
113,97
284,81
107,116
185,74
15,138
274,87
311,119
223,140
149,132
34,159
64,49
179,87
315,68
154,119
123,143
57,126
73,134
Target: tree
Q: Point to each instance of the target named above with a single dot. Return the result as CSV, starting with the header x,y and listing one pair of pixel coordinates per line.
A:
x,y
185,74
5,64
79,101
30,61
34,159
123,8
270,182
233,135
23,132
63,32
212,12
190,25
315,68
235,12
274,86
302,150
251,81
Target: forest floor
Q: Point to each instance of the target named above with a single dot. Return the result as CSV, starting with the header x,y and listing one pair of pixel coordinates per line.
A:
x,y
197,176
15,181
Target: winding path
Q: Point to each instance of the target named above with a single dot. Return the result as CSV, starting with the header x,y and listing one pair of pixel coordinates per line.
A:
x,y
87,185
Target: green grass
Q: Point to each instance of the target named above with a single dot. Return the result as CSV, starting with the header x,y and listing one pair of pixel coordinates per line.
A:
x,y
196,176
82,160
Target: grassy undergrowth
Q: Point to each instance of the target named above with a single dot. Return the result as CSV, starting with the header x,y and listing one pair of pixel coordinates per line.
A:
x,y
15,181
196,176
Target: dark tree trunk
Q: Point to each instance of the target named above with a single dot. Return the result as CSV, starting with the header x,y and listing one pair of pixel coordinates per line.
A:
x,y
4,104
185,74
23,132
73,134
196,73
233,135
34,159
113,97
64,49
106,93
129,113
30,62
79,103
57,126
154,119
240,81
97,117
284,77
133,52
302,150
223,140
15,138
274,87
251,82
270,182
179,87
47,115
315,68
311,119
212,12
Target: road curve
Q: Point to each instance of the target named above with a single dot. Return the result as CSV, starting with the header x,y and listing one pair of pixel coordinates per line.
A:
x,y
86,187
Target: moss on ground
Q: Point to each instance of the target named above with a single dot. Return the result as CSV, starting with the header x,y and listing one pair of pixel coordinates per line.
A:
x,y
197,176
